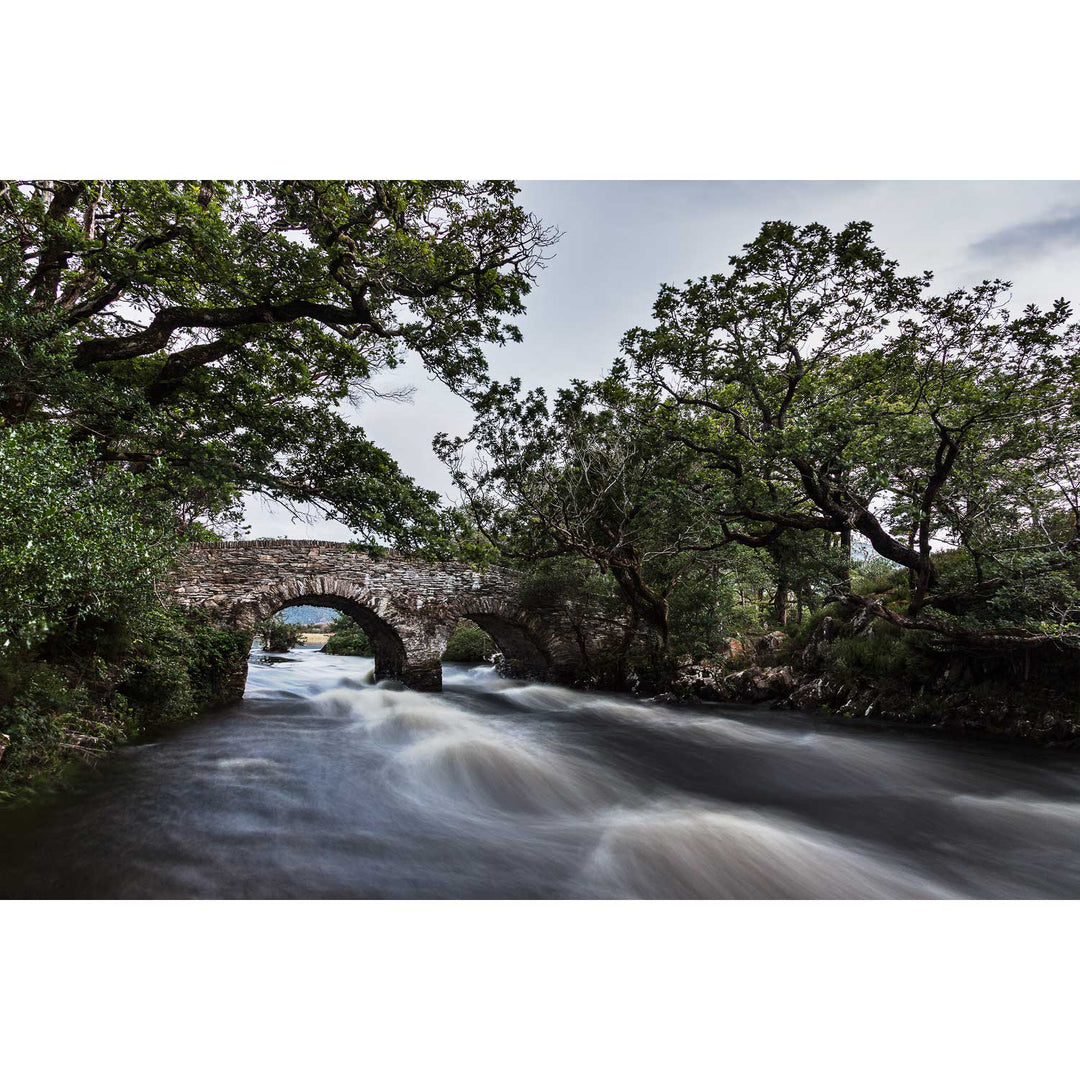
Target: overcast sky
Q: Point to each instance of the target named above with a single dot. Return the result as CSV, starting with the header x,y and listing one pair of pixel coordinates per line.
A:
x,y
622,239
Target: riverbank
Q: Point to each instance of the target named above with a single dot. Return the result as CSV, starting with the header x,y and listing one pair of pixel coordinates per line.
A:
x,y
858,666
67,708
70,717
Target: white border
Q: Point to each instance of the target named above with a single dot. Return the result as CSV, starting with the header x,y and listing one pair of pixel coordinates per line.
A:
x,y
583,90
521,990
565,90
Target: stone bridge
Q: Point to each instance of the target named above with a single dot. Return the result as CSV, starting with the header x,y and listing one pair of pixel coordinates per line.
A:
x,y
407,606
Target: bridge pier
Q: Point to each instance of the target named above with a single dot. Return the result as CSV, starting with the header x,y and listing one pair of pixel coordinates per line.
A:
x,y
425,675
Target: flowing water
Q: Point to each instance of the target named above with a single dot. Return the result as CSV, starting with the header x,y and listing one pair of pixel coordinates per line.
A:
x,y
321,785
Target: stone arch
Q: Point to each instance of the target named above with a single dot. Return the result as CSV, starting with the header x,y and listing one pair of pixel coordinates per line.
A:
x,y
522,642
407,644
408,605
390,655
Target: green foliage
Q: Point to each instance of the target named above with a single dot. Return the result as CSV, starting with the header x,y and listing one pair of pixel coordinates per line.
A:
x,y
707,609
167,347
878,575
277,635
468,644
579,478
808,396
77,541
802,633
181,666
54,723
885,654
153,669
215,327
828,394
347,638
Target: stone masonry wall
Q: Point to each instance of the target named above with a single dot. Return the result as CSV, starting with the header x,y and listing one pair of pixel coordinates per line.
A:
x,y
408,606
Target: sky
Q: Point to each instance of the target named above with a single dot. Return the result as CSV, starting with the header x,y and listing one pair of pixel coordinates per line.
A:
x,y
622,239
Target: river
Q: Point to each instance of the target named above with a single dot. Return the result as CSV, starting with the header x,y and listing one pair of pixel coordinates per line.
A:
x,y
321,785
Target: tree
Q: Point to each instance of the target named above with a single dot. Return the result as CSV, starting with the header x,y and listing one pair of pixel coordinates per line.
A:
x,y
584,477
215,328
468,644
347,638
823,392
277,635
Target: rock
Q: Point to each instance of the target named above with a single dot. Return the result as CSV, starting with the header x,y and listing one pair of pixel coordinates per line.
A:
x,y
732,650
771,643
666,698
813,694
761,684
705,681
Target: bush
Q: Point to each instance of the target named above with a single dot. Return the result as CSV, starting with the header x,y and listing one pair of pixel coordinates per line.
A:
x,y
705,611
277,635
347,638
878,575
86,693
888,653
564,581
77,541
801,633
468,644
185,668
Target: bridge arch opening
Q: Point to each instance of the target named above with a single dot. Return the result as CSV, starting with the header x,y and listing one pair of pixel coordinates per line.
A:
x,y
390,653
523,656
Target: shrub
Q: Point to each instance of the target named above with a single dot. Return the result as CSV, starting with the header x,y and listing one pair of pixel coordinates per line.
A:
x,y
347,638
878,575
85,693
77,541
468,644
887,653
801,633
277,635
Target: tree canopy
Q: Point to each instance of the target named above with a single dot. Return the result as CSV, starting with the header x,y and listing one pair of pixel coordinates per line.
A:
x,y
810,394
215,328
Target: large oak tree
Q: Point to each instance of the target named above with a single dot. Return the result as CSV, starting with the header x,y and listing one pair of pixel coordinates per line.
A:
x,y
211,331
809,395
830,393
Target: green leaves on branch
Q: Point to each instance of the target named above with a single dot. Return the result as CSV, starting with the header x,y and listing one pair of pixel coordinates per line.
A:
x,y
809,395
219,329
77,540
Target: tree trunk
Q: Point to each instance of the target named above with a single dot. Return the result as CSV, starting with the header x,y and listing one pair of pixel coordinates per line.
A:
x,y
646,603
780,601
845,554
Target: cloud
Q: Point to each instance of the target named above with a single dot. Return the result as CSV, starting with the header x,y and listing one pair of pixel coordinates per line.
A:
x,y
1031,239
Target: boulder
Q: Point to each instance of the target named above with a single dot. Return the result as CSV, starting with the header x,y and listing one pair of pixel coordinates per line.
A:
x,y
732,650
705,681
813,694
771,643
762,684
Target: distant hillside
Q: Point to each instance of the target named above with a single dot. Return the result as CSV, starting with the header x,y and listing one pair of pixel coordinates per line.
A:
x,y
305,613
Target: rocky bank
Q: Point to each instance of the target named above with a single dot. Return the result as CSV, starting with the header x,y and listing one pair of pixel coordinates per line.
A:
x,y
907,681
